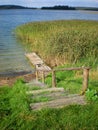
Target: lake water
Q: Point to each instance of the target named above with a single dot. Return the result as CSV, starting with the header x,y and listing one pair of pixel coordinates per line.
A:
x,y
12,58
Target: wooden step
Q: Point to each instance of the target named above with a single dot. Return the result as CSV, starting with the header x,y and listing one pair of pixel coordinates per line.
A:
x,y
52,95
45,90
34,83
59,103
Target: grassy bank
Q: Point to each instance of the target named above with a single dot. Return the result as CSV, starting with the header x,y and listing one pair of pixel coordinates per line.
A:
x,y
60,42
15,113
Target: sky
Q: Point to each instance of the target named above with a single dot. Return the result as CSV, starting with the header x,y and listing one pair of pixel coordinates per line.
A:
x,y
41,3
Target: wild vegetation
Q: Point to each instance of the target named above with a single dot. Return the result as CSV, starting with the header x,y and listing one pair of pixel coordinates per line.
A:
x,y
67,43
15,112
60,42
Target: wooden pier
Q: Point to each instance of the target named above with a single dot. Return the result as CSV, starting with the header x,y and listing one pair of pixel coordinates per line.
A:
x,y
55,97
37,62
41,68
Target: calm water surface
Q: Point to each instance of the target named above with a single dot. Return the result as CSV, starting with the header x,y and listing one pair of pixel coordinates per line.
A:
x,y
12,58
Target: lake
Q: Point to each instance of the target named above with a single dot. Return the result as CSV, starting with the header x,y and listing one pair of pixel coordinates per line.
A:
x,y
12,53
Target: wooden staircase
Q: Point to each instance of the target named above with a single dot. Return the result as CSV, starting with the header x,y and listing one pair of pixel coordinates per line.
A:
x,y
53,97
59,102
46,97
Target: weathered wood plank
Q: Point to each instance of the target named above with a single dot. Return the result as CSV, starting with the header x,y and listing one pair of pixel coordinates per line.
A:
x,y
34,58
85,80
53,95
43,67
35,83
73,68
45,90
37,62
53,79
59,103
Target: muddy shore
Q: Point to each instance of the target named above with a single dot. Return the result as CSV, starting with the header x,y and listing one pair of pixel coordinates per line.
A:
x,y
10,78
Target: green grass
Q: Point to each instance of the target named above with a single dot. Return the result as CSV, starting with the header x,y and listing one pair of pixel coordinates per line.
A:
x,y
65,41
15,113
40,99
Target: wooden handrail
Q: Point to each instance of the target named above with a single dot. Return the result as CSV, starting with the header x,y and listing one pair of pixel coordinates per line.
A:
x,y
76,68
85,79
85,76
53,79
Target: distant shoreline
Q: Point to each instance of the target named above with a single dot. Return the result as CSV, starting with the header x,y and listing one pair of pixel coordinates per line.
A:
x,y
4,7
57,7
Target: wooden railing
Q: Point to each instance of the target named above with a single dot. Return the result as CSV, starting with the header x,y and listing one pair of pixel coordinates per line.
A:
x,y
85,76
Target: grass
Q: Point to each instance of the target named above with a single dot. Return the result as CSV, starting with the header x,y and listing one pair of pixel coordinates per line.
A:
x,y
71,118
16,114
40,99
68,80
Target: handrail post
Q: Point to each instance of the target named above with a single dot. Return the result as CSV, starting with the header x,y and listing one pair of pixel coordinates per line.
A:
x,y
85,79
43,77
53,79
36,75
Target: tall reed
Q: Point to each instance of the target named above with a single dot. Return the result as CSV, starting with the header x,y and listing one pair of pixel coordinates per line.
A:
x,y
59,42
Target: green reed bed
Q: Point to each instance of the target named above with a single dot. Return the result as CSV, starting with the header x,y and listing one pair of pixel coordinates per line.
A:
x,y
59,42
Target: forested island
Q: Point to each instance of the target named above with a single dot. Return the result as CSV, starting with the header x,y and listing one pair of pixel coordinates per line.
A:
x,y
59,7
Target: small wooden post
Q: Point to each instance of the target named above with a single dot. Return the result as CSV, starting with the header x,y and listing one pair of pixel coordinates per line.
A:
x,y
85,79
43,77
53,79
36,75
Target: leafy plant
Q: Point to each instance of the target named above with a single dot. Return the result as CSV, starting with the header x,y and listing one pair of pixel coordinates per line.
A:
x,y
91,95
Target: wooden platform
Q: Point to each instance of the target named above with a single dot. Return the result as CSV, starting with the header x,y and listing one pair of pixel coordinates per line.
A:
x,y
37,62
34,58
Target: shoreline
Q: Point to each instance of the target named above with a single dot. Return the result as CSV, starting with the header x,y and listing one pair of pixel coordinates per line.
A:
x,y
11,79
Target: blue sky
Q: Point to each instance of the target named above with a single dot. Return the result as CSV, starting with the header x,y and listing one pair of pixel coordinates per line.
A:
x,y
40,3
